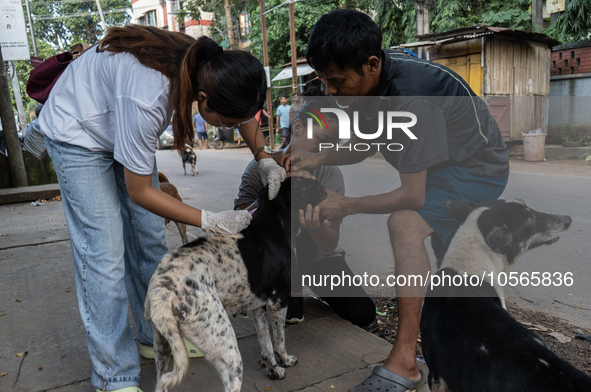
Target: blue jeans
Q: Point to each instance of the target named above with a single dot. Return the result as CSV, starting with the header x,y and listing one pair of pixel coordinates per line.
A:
x,y
116,246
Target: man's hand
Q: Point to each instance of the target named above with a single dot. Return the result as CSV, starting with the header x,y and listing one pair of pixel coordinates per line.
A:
x,y
325,234
310,217
301,160
303,174
332,208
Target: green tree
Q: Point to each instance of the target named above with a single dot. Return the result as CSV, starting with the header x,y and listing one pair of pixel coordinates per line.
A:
x,y
397,20
574,24
453,14
67,22
60,24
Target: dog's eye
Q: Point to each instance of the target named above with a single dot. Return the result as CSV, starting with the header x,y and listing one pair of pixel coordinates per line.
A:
x,y
530,221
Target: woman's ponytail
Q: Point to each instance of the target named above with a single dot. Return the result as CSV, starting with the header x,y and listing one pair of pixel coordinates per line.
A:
x,y
234,81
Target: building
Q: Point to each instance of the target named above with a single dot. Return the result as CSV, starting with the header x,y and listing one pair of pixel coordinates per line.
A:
x,y
509,69
161,13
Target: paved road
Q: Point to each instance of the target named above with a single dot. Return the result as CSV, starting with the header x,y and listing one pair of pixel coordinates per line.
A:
x,y
561,187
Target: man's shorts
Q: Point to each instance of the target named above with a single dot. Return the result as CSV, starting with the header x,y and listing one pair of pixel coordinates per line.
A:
x,y
202,135
454,183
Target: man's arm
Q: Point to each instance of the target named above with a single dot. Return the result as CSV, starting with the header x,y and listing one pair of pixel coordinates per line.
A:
x,y
410,196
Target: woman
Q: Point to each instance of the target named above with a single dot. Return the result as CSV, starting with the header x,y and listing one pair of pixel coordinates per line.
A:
x,y
101,123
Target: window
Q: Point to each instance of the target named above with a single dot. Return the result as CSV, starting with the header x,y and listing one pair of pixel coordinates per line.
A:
x,y
151,18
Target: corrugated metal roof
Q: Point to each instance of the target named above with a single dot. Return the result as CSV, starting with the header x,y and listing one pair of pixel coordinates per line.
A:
x,y
466,33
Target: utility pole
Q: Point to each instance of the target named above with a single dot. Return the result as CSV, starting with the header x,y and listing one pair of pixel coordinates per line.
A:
x,y
100,10
231,41
294,57
31,29
266,64
17,97
15,155
537,15
422,21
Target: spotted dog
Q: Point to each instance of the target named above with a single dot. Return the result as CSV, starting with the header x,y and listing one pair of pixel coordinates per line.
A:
x,y
469,341
245,272
190,157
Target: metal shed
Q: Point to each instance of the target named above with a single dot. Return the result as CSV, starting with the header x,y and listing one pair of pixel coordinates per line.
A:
x,y
509,69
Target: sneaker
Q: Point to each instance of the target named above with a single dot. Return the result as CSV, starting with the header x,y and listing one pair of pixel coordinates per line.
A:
x,y
147,352
295,310
128,389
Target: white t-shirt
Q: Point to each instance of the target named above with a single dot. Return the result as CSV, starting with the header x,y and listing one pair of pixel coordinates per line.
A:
x,y
110,102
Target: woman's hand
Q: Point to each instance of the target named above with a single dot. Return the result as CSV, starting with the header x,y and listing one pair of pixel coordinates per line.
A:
x,y
272,174
225,222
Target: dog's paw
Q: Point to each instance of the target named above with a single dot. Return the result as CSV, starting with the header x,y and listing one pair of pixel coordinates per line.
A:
x,y
288,361
276,373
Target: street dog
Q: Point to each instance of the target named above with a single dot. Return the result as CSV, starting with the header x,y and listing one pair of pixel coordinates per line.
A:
x,y
169,189
249,271
190,158
469,341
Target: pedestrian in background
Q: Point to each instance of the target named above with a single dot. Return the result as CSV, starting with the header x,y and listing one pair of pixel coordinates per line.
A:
x,y
201,129
101,123
34,141
282,120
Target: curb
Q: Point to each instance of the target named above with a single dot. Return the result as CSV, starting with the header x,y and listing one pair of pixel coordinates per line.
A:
x,y
28,193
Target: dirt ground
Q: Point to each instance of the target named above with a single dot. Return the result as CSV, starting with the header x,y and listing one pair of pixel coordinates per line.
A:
x,y
577,351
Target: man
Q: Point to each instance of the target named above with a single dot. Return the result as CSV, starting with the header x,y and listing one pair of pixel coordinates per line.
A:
x,y
282,120
317,245
201,129
34,140
458,154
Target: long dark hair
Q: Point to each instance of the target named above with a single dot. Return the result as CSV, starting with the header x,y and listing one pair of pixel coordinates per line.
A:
x,y
234,82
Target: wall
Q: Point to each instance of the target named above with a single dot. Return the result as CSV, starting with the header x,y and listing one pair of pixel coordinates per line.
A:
x,y
570,100
570,90
571,59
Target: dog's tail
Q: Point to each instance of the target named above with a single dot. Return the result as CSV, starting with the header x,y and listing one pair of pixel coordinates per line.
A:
x,y
162,177
159,310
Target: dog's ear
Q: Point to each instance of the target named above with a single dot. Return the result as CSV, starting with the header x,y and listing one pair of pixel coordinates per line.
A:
x,y
460,209
499,238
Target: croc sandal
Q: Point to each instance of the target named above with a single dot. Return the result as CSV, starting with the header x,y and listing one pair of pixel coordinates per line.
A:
x,y
128,389
147,352
384,380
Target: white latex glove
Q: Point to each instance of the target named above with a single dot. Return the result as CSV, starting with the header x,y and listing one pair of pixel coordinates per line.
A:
x,y
272,174
225,222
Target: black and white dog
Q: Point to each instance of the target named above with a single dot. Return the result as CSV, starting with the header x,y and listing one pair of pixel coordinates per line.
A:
x,y
249,271
190,157
470,342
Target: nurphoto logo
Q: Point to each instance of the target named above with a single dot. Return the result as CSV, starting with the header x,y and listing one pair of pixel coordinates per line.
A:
x,y
392,120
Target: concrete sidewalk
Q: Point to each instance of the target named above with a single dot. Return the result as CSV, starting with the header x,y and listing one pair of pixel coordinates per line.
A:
x,y
39,315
